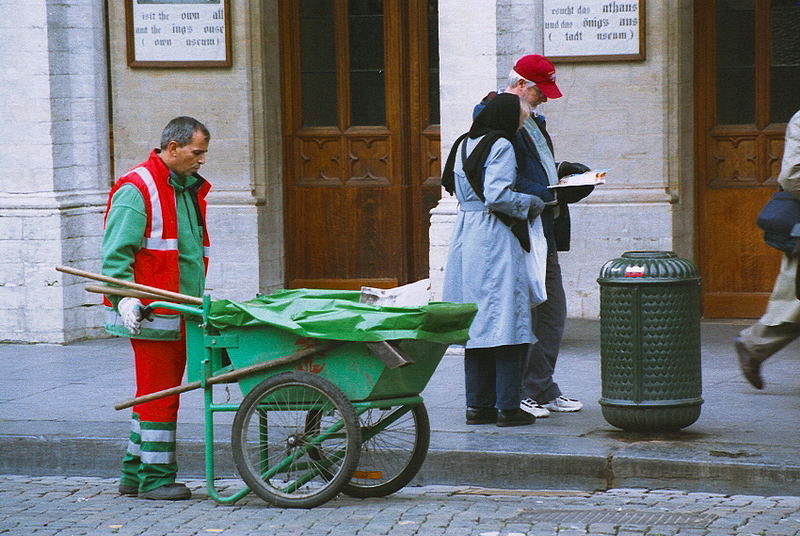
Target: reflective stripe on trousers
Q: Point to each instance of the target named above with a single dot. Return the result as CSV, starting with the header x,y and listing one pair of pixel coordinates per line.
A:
x,y
152,442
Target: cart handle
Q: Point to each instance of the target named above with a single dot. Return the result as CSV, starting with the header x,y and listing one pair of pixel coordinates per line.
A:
x,y
181,308
227,377
116,291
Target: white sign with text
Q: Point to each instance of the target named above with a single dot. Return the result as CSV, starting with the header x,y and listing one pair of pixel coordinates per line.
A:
x,y
179,30
593,30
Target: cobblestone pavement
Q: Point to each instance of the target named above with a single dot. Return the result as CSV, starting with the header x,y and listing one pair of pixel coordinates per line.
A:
x,y
87,506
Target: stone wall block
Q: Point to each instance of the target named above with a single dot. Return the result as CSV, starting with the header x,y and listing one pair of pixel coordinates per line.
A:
x,y
75,131
11,325
13,252
9,273
61,109
12,298
84,323
45,324
11,228
234,265
78,297
41,275
32,251
86,177
28,15
40,225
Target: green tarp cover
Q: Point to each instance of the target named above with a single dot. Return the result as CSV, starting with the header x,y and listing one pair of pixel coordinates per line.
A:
x,y
338,315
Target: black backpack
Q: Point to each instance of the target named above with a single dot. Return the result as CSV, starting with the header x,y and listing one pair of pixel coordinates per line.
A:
x,y
780,221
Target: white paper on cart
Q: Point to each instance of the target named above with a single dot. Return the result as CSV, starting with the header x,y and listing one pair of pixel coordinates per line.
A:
x,y
411,295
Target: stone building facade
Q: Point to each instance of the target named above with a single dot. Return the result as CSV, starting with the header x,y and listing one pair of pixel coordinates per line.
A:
x,y
76,115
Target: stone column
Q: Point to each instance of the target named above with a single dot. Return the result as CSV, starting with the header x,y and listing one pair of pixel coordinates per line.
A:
x,y
55,158
468,70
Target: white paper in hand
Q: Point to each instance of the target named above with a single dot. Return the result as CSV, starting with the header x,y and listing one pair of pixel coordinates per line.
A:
x,y
590,178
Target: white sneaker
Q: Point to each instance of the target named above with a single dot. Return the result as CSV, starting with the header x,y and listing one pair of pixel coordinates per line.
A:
x,y
564,405
529,405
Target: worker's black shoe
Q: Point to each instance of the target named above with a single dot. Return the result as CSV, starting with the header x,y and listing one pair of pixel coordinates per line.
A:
x,y
481,415
129,491
514,417
167,492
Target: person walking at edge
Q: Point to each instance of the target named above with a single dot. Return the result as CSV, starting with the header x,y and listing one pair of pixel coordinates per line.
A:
x,y
780,324
533,79
155,234
486,263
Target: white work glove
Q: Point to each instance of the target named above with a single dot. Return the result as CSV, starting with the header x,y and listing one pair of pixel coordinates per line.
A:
x,y
130,309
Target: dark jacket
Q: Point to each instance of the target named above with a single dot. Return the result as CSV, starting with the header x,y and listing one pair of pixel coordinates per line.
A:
x,y
532,179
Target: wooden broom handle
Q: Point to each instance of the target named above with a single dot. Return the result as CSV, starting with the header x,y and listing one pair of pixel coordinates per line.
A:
x,y
126,292
232,375
164,294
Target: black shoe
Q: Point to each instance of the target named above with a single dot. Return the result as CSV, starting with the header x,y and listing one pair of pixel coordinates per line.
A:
x,y
481,415
168,492
751,368
514,417
128,491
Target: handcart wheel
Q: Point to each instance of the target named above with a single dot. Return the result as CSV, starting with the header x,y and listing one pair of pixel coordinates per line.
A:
x,y
279,456
394,444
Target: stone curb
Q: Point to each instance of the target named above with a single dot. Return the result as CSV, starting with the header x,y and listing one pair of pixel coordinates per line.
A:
x,y
664,467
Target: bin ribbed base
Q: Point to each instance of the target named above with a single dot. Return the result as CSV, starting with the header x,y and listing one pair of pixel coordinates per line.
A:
x,y
650,419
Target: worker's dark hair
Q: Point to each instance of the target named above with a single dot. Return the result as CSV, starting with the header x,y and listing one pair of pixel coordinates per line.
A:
x,y
181,129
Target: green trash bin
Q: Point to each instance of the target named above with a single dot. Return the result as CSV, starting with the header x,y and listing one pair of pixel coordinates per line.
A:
x,y
650,341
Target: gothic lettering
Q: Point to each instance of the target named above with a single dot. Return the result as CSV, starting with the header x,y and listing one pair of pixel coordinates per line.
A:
x,y
614,7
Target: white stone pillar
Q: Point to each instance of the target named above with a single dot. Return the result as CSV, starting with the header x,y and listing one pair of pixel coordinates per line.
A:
x,y
55,162
467,71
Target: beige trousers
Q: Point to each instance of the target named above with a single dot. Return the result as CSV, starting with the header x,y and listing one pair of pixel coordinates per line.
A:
x,y
762,341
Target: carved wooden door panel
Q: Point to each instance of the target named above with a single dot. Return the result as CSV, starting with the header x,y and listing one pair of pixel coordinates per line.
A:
x,y
361,140
747,80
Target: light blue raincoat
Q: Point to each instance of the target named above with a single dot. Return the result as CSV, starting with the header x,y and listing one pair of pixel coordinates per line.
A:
x,y
486,264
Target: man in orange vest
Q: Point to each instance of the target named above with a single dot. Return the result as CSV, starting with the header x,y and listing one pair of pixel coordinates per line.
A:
x,y
155,234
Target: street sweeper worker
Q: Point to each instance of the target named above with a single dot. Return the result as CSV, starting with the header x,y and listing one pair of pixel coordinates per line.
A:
x,y
155,234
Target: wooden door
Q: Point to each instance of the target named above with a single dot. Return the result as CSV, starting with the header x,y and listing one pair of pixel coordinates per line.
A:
x,y
361,140
747,80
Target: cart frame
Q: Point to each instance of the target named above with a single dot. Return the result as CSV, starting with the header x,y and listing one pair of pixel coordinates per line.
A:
x,y
209,364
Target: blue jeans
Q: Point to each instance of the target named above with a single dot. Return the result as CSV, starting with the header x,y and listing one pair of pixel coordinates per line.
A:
x,y
492,376
548,326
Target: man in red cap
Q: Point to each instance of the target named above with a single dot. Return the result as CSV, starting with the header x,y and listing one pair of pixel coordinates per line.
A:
x,y
537,70
533,79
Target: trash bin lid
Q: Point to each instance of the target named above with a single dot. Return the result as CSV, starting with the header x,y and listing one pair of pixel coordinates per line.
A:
x,y
634,267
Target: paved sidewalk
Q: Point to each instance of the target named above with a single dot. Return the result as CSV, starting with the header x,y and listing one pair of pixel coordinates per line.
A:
x,y
73,506
57,418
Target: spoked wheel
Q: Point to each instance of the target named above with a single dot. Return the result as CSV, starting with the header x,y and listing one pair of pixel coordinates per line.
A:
x,y
296,440
395,443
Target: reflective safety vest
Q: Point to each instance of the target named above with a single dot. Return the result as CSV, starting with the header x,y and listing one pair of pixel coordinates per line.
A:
x,y
156,262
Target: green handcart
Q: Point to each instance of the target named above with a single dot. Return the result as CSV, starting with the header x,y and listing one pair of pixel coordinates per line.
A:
x,y
345,416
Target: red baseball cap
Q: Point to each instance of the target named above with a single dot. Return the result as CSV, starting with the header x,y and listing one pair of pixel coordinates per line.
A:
x,y
541,72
